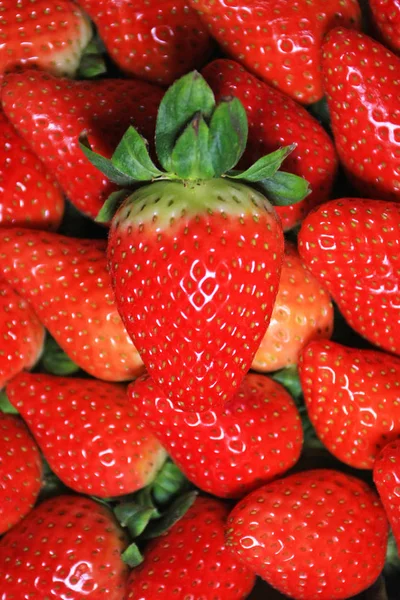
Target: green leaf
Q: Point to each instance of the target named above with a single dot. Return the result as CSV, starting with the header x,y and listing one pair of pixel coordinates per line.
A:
x,y
284,189
187,96
91,66
290,380
135,517
111,206
56,361
175,512
132,556
5,404
190,157
228,135
169,482
104,164
132,158
265,167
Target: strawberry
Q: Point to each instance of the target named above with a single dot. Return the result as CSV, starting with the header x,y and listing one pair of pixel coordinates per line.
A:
x,y
276,120
386,15
29,195
20,471
50,113
278,41
315,535
352,399
67,547
195,255
302,311
386,479
351,246
213,449
51,36
192,561
361,86
21,334
156,40
107,452
71,294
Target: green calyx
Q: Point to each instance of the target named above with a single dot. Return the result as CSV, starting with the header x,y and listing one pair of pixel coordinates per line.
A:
x,y
55,361
197,139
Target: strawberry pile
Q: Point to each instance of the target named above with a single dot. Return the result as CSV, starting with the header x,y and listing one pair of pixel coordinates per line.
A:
x,y
199,300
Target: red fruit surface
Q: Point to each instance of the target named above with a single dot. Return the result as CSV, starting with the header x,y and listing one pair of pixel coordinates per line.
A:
x,y
20,471
386,16
275,120
315,535
71,294
38,33
232,450
386,479
51,113
21,334
302,311
195,270
30,197
192,561
156,40
352,246
279,41
67,547
361,82
352,398
87,432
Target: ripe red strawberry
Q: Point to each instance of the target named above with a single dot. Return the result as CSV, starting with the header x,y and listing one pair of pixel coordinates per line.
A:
x,y
386,16
361,82
316,535
386,479
29,195
87,433
51,36
352,398
302,311
275,120
20,471
228,451
157,40
66,281
192,561
67,547
352,245
51,113
21,334
278,41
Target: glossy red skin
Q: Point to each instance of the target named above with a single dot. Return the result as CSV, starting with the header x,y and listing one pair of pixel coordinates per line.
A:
x,y
302,311
51,113
386,16
20,471
29,196
87,433
71,294
198,317
155,40
21,334
352,246
361,83
67,547
352,398
232,450
386,479
315,535
194,555
47,35
275,120
278,41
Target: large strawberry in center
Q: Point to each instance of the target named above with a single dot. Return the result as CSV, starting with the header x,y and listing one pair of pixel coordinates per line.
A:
x,y
195,256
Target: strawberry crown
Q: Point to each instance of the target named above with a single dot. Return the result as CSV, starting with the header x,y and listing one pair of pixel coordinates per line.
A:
x,y
196,139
